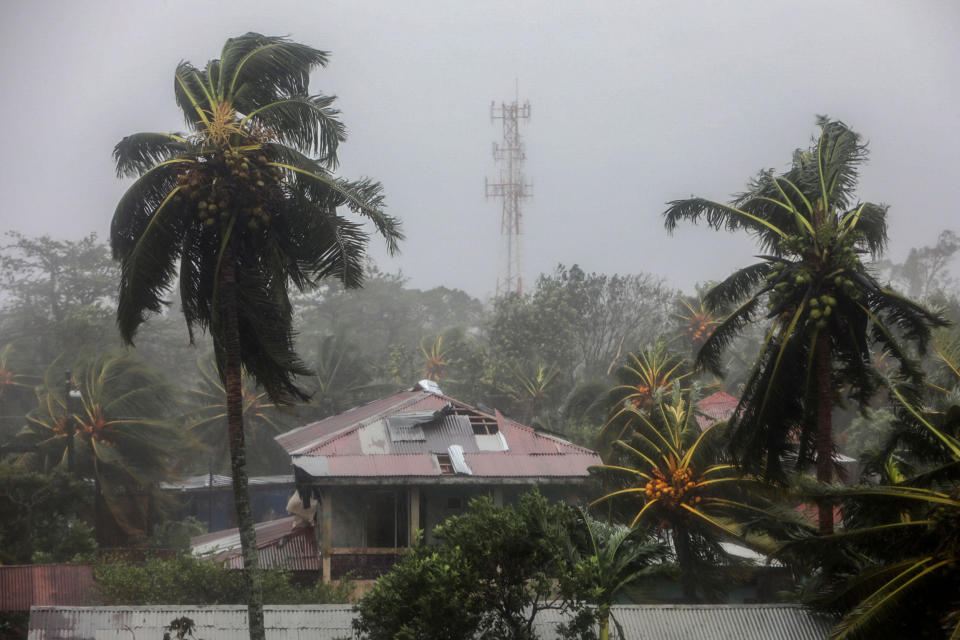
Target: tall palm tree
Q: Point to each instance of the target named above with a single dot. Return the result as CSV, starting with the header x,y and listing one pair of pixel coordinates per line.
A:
x,y
116,426
825,309
895,570
241,207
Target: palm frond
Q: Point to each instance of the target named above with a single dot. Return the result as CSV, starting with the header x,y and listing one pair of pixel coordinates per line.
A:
x,y
305,122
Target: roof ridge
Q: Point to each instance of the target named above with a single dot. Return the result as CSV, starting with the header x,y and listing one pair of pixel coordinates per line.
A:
x,y
336,435
541,434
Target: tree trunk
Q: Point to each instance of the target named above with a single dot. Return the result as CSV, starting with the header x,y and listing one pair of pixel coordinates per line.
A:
x,y
238,459
688,578
824,429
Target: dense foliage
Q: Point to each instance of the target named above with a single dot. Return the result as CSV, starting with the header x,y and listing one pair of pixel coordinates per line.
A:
x,y
185,579
495,569
43,517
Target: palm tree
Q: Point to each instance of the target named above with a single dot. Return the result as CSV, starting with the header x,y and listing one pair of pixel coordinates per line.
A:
x,y
895,570
239,210
611,559
342,378
116,426
824,306
208,411
684,487
644,381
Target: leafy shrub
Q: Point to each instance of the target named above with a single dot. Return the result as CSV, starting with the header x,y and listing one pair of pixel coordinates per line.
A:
x,y
185,579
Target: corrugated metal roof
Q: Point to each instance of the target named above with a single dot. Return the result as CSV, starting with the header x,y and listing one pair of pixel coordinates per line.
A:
x,y
192,483
279,545
22,586
716,407
326,622
219,622
358,444
309,435
720,622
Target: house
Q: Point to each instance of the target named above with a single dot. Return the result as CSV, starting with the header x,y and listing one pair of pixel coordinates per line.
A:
x,y
209,498
385,470
329,622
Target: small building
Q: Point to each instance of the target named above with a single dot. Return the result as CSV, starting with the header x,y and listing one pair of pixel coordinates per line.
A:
x,y
209,498
385,470
287,543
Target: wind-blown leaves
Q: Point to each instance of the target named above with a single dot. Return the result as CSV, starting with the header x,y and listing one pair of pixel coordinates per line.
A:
x,y
120,429
235,183
824,307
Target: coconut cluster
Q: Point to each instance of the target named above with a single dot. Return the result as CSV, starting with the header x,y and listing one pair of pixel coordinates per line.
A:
x,y
792,281
699,329
672,487
232,183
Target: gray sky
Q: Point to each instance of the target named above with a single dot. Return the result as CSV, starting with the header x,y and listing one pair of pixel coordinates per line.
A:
x,y
634,104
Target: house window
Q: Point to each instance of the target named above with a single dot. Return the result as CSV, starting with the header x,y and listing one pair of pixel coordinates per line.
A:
x,y
385,519
482,425
446,467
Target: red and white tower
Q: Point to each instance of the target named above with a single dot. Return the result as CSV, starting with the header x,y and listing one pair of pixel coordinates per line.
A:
x,y
512,189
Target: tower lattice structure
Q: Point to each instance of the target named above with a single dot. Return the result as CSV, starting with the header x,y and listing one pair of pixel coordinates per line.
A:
x,y
512,188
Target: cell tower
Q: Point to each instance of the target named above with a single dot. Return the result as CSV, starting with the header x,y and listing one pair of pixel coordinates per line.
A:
x,y
511,189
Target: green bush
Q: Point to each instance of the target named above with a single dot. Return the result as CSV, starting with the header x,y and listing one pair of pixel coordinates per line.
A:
x,y
185,579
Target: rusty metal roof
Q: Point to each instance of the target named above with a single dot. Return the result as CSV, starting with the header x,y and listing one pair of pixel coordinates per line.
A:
x,y
308,435
22,586
365,443
716,407
279,545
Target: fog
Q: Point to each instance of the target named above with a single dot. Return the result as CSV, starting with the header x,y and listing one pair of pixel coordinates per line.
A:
x,y
633,104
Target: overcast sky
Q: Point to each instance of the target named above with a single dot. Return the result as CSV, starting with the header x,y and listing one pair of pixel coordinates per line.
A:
x,y
634,104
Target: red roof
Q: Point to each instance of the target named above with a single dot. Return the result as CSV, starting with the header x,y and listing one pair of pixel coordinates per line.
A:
x,y
24,586
716,407
279,545
385,439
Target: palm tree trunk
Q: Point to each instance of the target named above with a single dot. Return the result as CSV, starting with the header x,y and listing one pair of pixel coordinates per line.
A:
x,y
238,458
688,578
824,429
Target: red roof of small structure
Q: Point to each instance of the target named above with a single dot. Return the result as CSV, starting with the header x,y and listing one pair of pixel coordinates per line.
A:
x,y
716,407
279,545
386,438
24,586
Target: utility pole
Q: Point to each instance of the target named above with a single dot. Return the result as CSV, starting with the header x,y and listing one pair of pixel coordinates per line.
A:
x,y
512,189
68,422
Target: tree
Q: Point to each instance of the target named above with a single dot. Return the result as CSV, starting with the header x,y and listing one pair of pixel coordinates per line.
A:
x,y
895,569
42,516
239,211
208,410
824,306
57,295
926,270
610,559
491,574
685,488
579,322
117,430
